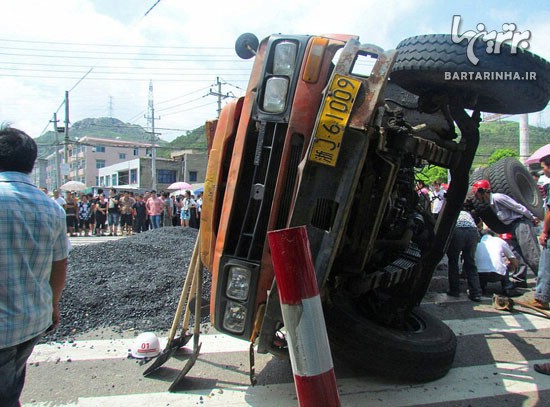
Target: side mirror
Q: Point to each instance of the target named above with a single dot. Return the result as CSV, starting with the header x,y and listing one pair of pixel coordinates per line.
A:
x,y
246,45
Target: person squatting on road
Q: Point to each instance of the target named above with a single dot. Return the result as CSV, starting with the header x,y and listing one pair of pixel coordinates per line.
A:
x,y
494,260
522,226
33,261
542,289
464,240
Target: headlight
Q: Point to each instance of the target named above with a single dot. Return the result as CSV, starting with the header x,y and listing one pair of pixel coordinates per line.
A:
x,y
238,283
234,318
284,61
276,90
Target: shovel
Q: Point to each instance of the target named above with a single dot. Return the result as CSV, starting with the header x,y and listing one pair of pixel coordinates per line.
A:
x,y
196,332
507,304
174,344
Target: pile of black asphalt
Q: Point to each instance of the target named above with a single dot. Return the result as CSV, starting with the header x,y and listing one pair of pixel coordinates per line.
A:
x,y
131,284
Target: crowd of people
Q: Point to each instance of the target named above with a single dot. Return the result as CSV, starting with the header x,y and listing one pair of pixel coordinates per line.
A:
x,y
127,213
488,258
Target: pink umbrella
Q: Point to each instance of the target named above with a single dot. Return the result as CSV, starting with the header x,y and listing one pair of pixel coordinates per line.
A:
x,y
180,185
537,155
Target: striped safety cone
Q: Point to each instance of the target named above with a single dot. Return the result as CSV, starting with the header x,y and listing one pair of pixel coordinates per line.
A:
x,y
307,338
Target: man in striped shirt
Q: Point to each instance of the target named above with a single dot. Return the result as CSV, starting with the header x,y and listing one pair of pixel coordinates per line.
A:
x,y
33,261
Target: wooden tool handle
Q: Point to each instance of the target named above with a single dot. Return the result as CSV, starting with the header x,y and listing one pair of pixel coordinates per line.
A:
x,y
184,297
524,304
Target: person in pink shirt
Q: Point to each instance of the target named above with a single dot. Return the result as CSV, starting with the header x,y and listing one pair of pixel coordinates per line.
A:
x,y
154,206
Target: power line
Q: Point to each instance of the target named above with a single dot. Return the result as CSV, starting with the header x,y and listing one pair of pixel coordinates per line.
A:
x,y
180,104
187,110
182,96
151,8
222,58
97,52
116,67
186,73
107,79
113,45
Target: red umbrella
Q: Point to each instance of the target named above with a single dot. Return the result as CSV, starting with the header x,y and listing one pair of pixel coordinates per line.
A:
x,y
537,155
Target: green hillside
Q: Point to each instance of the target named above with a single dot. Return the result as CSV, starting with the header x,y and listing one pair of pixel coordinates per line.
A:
x,y
505,135
193,139
494,136
102,127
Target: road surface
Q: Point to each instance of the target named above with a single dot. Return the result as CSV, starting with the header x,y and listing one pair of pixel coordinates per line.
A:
x,y
493,367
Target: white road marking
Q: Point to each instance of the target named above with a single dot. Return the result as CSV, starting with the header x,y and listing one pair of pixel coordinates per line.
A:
x,y
481,381
501,323
219,343
119,348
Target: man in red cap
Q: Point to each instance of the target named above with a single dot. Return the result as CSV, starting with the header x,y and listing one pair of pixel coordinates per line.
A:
x,y
520,222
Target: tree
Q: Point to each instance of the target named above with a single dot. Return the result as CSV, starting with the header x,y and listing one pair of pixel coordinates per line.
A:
x,y
501,153
433,173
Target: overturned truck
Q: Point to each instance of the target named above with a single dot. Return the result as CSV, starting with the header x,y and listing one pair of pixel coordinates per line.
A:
x,y
331,134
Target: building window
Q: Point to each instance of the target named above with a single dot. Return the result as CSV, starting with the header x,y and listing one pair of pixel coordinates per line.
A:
x,y
122,156
123,178
114,178
133,176
192,176
166,176
99,149
99,163
97,181
107,180
101,181
136,152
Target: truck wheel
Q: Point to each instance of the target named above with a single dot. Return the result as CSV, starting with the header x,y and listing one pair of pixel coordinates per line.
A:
x,y
508,176
425,64
421,352
479,174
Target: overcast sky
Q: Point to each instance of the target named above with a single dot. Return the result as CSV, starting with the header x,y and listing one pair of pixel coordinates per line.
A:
x,y
182,46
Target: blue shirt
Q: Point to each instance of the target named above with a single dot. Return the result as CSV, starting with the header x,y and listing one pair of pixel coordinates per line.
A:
x,y
32,236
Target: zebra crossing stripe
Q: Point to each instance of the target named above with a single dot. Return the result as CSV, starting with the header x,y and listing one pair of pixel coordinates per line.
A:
x,y
119,348
483,381
219,343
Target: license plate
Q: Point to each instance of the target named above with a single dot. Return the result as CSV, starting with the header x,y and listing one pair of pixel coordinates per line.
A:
x,y
332,123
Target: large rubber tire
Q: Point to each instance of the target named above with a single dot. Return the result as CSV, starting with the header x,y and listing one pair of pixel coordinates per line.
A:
x,y
423,61
508,176
479,174
415,355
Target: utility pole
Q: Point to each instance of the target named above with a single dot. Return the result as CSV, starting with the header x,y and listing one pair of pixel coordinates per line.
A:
x,y
523,137
66,147
110,106
220,95
151,125
57,165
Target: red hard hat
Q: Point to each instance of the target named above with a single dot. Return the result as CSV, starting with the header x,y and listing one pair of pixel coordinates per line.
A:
x,y
481,184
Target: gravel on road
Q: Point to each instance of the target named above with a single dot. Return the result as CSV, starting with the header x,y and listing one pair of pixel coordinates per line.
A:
x,y
129,284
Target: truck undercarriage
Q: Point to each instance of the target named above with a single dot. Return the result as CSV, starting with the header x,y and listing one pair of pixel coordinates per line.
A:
x,y
314,143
